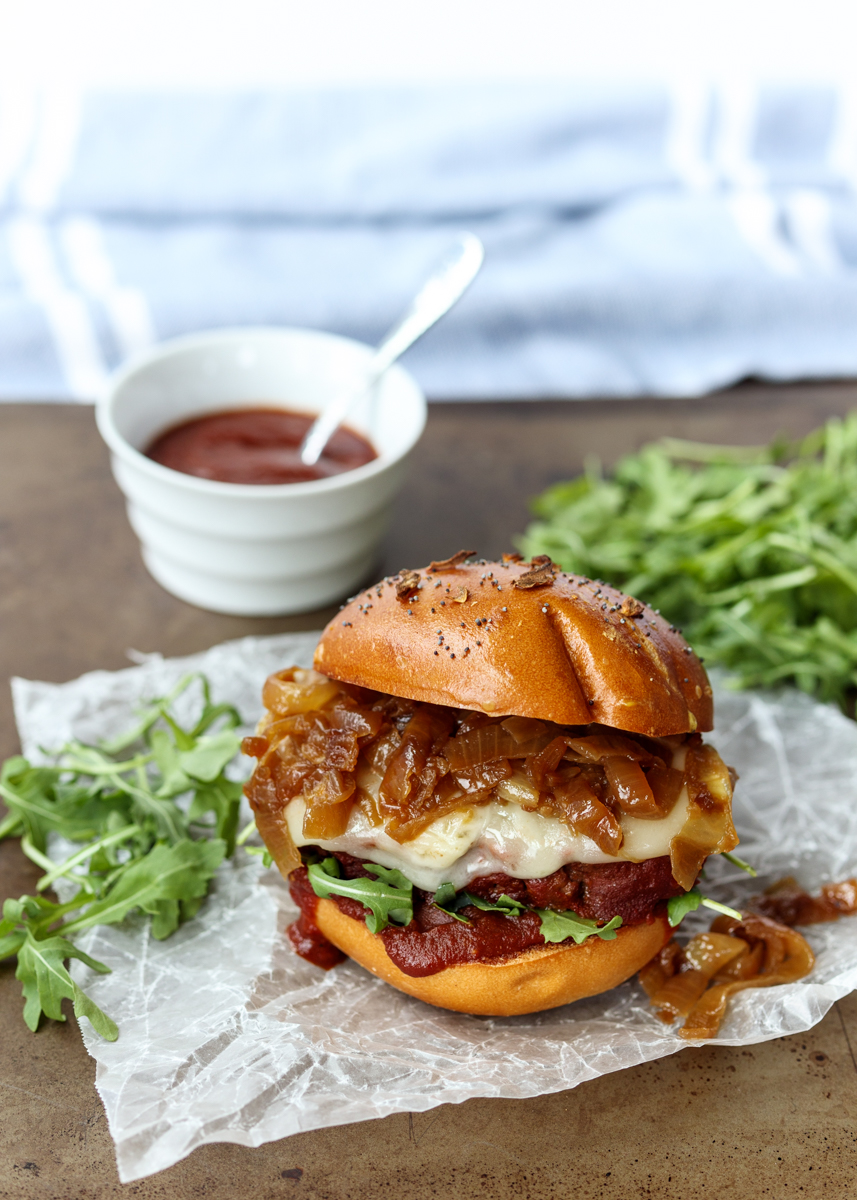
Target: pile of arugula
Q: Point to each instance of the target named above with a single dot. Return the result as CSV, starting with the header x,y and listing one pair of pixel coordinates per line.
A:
x,y
152,827
752,551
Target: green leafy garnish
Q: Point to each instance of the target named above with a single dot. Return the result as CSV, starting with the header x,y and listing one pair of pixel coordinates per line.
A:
x,y
503,904
447,901
46,982
555,926
139,849
679,906
558,926
752,551
739,862
389,898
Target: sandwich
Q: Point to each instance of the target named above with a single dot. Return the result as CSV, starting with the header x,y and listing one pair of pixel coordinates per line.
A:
x,y
491,785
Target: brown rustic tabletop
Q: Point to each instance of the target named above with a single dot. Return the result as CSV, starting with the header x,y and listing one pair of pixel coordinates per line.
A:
x,y
775,1120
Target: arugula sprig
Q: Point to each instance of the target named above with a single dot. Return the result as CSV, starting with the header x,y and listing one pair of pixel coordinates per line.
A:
x,y
153,814
555,926
389,897
679,906
751,550
558,926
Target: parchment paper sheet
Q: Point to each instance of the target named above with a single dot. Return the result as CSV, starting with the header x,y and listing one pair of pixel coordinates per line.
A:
x,y
226,1035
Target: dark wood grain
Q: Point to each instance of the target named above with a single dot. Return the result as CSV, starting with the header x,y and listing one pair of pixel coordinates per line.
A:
x,y
776,1120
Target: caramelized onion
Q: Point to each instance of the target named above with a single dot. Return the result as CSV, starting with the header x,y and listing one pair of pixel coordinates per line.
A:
x,y
629,787
324,821
708,827
697,980
341,749
599,746
296,690
525,730
787,957
516,737
747,964
334,745
254,747
445,798
325,794
517,789
427,728
666,784
362,722
485,776
260,790
789,904
577,805
658,970
546,761
701,959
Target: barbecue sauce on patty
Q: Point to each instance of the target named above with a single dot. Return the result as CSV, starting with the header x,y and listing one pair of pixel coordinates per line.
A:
x,y
434,940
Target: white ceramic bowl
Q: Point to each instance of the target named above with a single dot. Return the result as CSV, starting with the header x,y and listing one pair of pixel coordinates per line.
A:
x,y
257,549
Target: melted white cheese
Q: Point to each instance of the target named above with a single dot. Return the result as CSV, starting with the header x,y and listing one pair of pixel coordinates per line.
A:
x,y
495,837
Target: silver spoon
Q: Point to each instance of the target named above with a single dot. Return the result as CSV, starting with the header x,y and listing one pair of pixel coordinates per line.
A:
x,y
435,297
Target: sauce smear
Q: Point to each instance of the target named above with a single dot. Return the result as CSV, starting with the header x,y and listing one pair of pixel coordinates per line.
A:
x,y
255,445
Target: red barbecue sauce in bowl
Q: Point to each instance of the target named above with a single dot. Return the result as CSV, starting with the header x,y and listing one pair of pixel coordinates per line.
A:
x,y
255,445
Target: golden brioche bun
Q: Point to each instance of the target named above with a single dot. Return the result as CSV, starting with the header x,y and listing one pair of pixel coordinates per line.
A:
x,y
540,978
568,649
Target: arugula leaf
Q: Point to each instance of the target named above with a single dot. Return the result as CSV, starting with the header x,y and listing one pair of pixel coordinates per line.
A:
x,y
223,798
446,900
504,904
389,898
210,755
46,982
558,926
679,906
444,896
178,872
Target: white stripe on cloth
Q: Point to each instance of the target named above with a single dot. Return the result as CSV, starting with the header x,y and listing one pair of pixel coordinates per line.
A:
x,y
686,148
91,269
757,218
842,153
17,125
755,212
737,112
56,141
808,214
66,313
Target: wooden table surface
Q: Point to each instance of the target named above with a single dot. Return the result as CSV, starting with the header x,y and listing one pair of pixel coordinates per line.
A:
x,y
775,1120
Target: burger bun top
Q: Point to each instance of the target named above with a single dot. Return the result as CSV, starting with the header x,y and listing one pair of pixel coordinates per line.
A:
x,y
525,639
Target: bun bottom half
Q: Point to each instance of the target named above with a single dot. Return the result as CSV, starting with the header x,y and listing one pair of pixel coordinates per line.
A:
x,y
540,978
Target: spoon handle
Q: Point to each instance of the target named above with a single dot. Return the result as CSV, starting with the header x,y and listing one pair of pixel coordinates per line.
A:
x,y
435,297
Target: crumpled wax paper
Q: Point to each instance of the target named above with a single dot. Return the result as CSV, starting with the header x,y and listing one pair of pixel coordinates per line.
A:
x,y
227,1036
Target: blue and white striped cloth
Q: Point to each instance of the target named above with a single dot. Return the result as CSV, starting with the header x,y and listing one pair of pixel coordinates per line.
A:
x,y
639,240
